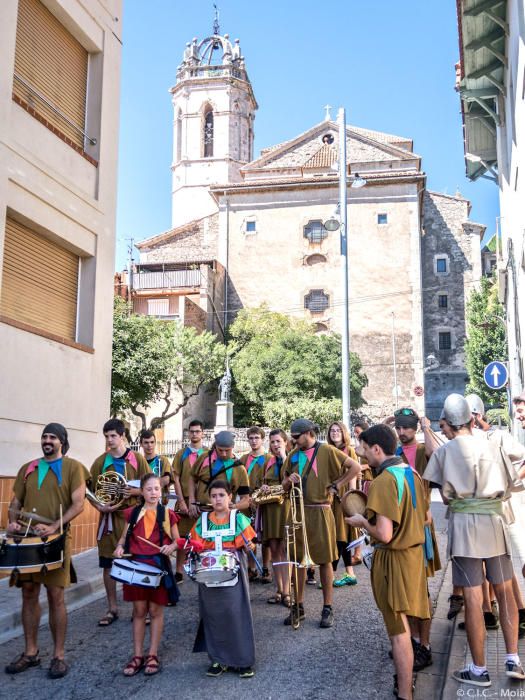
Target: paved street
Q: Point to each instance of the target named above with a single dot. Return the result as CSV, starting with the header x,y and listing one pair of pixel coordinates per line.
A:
x,y
351,659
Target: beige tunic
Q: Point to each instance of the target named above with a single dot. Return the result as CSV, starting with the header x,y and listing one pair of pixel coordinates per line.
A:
x,y
470,467
399,582
46,501
182,468
236,476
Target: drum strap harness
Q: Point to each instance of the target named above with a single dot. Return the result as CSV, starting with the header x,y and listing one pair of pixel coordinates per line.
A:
x,y
161,560
217,535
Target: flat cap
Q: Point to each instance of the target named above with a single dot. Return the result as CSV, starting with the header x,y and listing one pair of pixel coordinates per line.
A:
x,y
302,425
225,439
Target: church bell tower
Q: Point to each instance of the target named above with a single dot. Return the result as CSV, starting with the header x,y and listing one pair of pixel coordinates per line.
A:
x,y
214,111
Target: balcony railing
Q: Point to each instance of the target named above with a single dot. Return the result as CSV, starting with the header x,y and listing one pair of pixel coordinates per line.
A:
x,y
167,279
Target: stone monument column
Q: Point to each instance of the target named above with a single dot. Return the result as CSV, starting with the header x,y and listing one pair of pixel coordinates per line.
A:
x,y
224,407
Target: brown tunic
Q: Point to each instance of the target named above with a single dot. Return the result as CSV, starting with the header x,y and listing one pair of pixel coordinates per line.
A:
x,y
164,470
344,532
46,501
398,575
434,564
108,540
274,515
319,519
236,476
182,468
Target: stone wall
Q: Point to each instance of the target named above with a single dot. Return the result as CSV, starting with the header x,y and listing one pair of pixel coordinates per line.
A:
x,y
190,243
449,236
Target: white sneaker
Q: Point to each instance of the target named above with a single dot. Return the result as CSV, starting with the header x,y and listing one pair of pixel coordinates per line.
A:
x,y
465,675
513,670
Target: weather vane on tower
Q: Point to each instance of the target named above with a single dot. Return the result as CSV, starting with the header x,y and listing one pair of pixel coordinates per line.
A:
x,y
216,28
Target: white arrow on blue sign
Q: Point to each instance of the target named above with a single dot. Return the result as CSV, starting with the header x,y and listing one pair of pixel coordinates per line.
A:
x,y
495,375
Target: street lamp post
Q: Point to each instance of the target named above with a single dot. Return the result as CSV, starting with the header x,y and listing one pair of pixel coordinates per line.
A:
x,y
340,224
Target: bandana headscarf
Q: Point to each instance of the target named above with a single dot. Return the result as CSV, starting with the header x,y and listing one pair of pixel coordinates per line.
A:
x,y
406,421
58,430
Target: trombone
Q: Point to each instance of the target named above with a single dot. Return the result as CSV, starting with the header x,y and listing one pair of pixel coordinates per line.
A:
x,y
297,522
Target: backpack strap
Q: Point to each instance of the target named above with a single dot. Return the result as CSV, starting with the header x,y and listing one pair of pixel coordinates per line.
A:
x,y
131,526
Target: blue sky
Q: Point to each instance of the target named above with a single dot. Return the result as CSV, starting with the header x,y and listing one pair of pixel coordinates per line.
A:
x,y
390,64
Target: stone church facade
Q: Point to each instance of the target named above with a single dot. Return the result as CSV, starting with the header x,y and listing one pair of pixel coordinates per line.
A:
x,y
255,229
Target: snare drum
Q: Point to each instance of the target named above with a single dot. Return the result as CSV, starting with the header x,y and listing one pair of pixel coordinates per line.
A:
x,y
135,573
31,555
214,568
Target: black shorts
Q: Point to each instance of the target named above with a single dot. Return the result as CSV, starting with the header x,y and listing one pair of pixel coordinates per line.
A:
x,y
105,562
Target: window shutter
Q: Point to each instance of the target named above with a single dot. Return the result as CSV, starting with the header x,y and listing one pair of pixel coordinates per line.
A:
x,y
39,282
51,62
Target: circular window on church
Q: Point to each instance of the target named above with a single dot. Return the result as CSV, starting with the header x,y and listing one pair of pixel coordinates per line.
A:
x,y
316,301
315,259
327,138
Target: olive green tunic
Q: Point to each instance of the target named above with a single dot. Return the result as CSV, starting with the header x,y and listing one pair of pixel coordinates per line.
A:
x,y
108,540
434,564
319,519
274,515
398,575
182,468
46,501
235,475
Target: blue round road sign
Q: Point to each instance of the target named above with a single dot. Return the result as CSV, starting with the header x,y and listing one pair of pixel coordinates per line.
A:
x,y
495,375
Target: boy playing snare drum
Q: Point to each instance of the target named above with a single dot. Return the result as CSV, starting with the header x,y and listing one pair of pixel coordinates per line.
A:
x,y
226,627
150,538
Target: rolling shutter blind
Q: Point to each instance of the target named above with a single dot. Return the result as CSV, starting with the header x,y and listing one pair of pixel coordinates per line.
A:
x,y
39,282
54,64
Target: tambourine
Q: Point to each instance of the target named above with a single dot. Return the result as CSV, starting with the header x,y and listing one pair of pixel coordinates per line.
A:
x,y
354,503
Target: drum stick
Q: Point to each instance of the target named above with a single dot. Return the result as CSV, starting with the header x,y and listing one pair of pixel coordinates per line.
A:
x,y
155,546
257,563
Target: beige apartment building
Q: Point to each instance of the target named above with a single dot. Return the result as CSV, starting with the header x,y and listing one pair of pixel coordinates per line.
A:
x,y
59,111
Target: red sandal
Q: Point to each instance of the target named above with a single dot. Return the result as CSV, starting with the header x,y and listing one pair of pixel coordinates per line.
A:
x,y
133,666
152,665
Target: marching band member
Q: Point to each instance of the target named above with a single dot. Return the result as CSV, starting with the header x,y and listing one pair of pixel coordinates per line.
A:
x,y
321,470
254,462
157,524
183,462
132,466
219,462
44,486
338,436
158,464
274,517
226,628
396,515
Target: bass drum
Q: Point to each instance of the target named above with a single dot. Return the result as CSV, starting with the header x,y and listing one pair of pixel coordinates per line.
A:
x,y
31,555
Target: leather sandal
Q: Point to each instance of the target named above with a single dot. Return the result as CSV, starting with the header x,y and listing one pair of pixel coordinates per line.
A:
x,y
109,618
134,665
287,601
276,599
58,668
22,663
152,665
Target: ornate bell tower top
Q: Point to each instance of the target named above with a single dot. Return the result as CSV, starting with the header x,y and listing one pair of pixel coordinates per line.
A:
x,y
214,112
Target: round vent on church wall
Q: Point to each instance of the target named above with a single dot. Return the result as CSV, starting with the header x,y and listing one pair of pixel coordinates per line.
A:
x,y
315,259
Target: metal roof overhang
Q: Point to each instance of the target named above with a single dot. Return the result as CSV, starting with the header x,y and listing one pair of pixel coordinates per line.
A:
x,y
481,84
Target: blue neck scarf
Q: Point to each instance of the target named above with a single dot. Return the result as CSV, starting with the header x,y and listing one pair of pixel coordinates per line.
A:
x,y
44,467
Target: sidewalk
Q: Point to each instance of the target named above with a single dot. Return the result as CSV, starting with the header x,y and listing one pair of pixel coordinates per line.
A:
x,y
458,656
89,587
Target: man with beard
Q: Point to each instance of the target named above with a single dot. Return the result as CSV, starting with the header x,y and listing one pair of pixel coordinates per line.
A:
x,y
51,486
417,455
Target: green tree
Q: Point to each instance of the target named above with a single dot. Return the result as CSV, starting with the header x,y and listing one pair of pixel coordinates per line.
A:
x,y
155,359
485,339
279,362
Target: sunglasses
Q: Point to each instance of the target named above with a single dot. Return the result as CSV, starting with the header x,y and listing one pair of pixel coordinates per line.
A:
x,y
296,436
404,412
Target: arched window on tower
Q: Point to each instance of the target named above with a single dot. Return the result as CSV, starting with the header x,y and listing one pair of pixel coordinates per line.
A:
x,y
178,145
208,132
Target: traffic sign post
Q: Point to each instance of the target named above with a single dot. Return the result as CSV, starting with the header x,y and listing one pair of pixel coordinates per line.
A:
x,y
496,375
